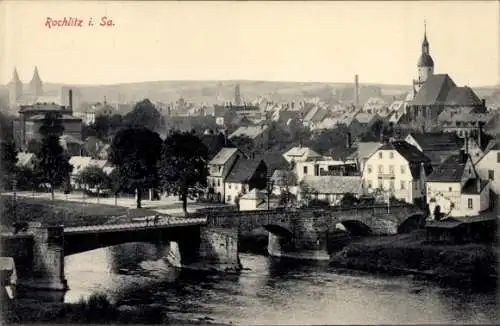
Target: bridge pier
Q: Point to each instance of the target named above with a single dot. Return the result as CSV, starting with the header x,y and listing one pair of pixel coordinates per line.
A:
x,y
47,272
213,250
312,248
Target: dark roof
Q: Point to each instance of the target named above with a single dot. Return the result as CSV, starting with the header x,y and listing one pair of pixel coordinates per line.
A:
x,y
438,141
463,96
451,170
274,161
474,186
409,152
243,170
214,143
434,91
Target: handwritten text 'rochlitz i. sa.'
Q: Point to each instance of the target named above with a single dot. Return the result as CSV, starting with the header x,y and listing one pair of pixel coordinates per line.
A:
x,y
62,22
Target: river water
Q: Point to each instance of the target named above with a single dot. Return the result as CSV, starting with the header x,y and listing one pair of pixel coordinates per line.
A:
x,y
270,291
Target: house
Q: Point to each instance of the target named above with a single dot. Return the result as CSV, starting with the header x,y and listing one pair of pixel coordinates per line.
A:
x,y
253,200
399,169
25,159
323,167
488,166
314,117
363,151
456,188
300,154
437,146
218,169
244,176
284,180
329,188
258,134
466,123
80,163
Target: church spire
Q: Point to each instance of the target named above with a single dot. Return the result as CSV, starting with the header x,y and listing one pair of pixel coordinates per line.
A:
x,y
425,43
15,77
36,83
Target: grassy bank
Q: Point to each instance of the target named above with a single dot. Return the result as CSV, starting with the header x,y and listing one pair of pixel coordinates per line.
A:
x,y
60,211
410,254
97,309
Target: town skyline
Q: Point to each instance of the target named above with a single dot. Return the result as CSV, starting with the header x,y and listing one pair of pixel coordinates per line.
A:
x,y
379,51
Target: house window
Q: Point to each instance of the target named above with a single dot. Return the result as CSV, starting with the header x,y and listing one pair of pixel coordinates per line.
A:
x,y
403,170
218,183
379,154
305,169
391,184
469,203
391,155
391,169
402,186
380,169
369,169
369,184
498,157
229,198
229,186
449,189
380,184
491,174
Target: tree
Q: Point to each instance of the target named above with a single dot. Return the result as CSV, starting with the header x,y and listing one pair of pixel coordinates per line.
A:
x,y
135,152
51,163
244,144
8,160
184,165
349,200
94,177
145,115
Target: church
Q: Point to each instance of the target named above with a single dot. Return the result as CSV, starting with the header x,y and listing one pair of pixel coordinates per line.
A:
x,y
432,93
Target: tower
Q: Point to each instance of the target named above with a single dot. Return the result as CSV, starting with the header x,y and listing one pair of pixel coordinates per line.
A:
x,y
356,91
425,63
36,86
15,89
237,95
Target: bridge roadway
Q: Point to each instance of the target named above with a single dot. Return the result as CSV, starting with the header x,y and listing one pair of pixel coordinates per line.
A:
x,y
136,226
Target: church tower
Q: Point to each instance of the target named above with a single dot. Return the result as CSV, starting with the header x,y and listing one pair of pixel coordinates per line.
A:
x,y
36,86
425,64
15,89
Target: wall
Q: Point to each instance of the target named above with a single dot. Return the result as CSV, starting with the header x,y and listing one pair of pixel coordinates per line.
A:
x,y
444,194
219,248
232,189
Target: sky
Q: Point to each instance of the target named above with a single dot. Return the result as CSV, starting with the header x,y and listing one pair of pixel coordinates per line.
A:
x,y
278,41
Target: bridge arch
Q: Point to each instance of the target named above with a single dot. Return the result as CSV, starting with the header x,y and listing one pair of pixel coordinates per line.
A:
x,y
279,230
411,223
354,227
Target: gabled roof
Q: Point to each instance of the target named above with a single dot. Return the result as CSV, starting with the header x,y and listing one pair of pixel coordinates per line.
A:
x,y
451,170
24,158
243,170
474,186
363,117
334,184
409,152
434,91
302,153
249,131
437,141
274,161
463,96
366,149
223,156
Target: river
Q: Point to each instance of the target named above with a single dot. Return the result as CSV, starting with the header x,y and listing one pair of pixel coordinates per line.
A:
x,y
270,291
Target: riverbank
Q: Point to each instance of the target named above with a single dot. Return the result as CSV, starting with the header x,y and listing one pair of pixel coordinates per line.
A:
x,y
461,265
97,309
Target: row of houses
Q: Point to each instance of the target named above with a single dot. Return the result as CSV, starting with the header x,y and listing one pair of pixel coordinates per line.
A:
x,y
438,169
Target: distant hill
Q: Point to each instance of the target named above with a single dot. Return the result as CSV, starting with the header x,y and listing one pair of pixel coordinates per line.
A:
x,y
211,92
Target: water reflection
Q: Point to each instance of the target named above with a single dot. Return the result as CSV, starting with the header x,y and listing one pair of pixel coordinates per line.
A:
x,y
270,291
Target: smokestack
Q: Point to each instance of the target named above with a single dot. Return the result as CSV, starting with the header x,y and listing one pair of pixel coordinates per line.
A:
x,y
466,143
480,135
348,140
356,91
70,99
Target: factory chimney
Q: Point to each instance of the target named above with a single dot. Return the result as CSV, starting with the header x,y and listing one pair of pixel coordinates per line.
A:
x,y
70,100
356,91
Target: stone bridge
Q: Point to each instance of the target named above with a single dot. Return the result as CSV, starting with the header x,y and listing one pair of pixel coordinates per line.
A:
x,y
39,252
308,233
